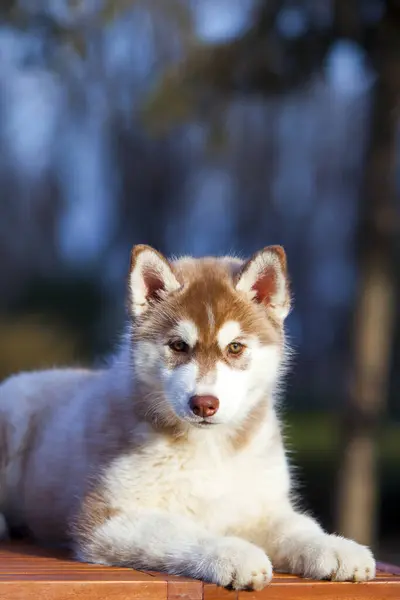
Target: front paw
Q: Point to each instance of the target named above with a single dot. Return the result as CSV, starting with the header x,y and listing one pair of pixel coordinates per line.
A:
x,y
336,558
238,564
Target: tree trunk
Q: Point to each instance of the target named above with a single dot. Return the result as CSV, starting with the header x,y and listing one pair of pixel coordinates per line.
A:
x,y
375,306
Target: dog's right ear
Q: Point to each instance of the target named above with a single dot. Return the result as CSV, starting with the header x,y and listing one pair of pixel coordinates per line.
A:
x,y
264,280
151,278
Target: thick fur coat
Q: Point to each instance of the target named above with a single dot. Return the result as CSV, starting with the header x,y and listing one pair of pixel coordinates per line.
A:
x,y
171,458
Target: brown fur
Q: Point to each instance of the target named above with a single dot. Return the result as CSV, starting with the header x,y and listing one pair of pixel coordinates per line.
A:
x,y
95,510
251,425
208,287
208,298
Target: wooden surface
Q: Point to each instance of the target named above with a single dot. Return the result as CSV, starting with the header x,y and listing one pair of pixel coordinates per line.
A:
x,y
28,572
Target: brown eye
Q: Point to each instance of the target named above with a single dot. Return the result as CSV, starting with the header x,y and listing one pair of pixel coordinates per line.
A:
x,y
178,346
235,348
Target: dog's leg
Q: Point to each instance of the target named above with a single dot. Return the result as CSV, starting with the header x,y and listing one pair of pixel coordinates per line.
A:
x,y
158,541
297,544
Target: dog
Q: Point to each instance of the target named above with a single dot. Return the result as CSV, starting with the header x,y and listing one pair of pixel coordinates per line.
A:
x,y
171,457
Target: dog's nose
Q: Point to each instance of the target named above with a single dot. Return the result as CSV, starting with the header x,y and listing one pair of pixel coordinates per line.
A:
x,y
204,406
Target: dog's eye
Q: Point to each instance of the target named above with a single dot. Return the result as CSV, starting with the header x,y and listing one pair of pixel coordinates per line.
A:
x,y
235,348
178,346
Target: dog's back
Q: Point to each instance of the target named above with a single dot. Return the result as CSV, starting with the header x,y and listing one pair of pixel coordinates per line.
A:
x,y
37,424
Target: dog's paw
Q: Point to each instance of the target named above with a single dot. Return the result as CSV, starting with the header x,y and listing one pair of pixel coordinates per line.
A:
x,y
239,564
336,558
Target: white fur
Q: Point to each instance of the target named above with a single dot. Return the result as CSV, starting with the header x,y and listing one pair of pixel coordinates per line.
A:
x,y
187,331
179,386
178,503
189,502
238,391
228,561
149,261
211,317
228,333
266,259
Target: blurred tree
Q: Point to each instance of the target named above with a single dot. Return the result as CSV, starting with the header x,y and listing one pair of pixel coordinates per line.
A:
x,y
374,319
262,60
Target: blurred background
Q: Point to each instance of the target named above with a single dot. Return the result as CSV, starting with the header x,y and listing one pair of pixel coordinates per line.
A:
x,y
207,127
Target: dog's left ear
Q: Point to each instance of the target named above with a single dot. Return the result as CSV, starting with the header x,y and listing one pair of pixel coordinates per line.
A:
x,y
264,279
151,278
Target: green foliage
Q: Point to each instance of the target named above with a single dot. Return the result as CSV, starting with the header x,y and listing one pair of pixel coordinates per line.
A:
x,y
176,10
316,436
168,104
70,303
32,342
114,8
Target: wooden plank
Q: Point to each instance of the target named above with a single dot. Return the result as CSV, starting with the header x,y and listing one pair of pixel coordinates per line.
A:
x,y
65,590
212,592
28,572
288,587
182,588
330,591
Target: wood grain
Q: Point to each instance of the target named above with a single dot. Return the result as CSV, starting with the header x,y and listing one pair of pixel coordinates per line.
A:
x,y
28,572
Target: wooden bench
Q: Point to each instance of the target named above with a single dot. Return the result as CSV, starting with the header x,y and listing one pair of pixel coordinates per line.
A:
x,y
28,572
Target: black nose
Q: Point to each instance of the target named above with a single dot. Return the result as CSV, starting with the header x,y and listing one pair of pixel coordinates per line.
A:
x,y
204,406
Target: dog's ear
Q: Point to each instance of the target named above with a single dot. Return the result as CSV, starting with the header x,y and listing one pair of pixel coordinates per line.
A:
x,y
264,279
151,278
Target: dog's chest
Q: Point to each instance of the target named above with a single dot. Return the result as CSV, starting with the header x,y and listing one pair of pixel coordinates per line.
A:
x,y
203,482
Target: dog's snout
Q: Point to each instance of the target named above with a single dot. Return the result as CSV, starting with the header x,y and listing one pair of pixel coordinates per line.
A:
x,y
204,406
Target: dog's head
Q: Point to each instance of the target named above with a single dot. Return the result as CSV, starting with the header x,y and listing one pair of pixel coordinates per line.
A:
x,y
208,334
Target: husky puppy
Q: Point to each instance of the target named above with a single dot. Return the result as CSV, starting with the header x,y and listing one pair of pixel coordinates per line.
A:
x,y
171,458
